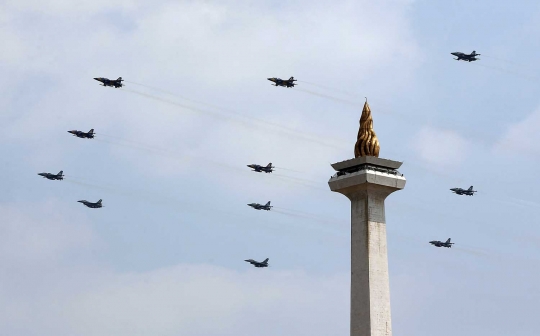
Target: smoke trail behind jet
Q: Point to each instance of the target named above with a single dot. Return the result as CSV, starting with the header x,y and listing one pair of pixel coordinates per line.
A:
x,y
348,102
245,121
515,73
330,88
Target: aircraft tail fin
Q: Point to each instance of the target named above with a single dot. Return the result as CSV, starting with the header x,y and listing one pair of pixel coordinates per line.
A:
x,y
266,261
448,241
268,204
120,79
291,79
60,173
269,165
91,131
470,188
99,202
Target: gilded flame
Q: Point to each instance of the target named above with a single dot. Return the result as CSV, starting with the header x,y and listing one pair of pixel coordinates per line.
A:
x,y
367,143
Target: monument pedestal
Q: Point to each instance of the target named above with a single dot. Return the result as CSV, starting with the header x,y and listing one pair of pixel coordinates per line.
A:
x,y
367,181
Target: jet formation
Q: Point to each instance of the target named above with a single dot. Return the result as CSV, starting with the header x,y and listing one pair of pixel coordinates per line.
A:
x,y
117,83
92,205
259,169
84,135
59,176
441,244
257,263
460,191
288,83
466,57
258,206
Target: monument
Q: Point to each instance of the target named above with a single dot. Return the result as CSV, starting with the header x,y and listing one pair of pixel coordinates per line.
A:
x,y
367,180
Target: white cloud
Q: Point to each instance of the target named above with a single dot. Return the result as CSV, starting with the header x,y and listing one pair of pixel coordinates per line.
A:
x,y
182,300
522,137
41,294
204,300
440,147
199,49
219,53
40,232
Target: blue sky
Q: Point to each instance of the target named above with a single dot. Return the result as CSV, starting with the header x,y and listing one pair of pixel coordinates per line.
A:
x,y
165,255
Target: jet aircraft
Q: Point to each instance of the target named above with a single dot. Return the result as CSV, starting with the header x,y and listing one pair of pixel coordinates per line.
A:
x,y
81,134
92,205
442,244
466,57
257,263
258,206
283,82
117,83
59,176
460,191
260,169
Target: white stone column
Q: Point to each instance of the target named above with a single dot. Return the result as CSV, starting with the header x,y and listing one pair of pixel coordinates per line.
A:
x,y
367,181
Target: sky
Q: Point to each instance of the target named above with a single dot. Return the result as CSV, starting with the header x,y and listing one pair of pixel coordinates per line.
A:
x,y
165,255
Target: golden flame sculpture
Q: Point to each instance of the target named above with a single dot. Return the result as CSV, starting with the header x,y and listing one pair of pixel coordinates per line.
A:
x,y
367,143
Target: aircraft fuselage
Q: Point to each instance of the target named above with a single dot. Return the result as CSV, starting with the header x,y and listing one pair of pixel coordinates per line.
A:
x,y
116,83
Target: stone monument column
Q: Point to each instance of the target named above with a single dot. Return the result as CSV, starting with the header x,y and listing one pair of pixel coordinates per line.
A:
x,y
367,180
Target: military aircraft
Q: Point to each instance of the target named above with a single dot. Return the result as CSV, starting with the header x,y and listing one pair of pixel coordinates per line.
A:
x,y
117,83
460,191
59,176
466,57
442,244
258,206
92,205
258,264
260,169
81,134
283,82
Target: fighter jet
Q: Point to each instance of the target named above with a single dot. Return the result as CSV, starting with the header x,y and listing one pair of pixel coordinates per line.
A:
x,y
259,169
81,134
282,82
460,191
258,206
258,264
92,205
117,83
442,244
59,176
466,57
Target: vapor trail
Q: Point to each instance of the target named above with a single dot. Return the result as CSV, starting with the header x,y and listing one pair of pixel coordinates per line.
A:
x,y
473,251
187,157
90,185
312,223
257,120
508,71
348,102
405,118
297,179
148,197
289,134
177,95
147,149
329,88
292,170
303,184
307,215
508,61
245,123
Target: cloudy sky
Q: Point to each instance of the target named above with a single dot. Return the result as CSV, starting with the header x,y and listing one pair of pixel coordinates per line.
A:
x,y
165,255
